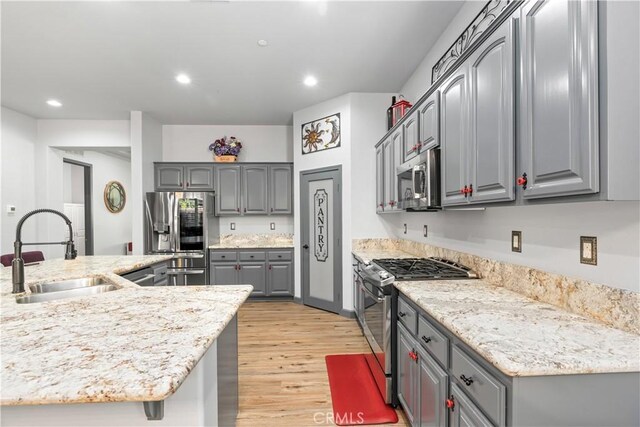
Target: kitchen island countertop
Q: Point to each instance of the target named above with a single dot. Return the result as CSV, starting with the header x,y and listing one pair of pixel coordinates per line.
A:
x,y
131,344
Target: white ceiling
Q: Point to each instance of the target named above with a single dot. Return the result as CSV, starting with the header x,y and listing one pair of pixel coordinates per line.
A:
x,y
104,59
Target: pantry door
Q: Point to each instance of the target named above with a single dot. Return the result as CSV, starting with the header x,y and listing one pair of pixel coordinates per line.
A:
x,y
321,234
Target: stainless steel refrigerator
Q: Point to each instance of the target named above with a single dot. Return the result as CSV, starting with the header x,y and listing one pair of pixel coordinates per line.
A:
x,y
184,224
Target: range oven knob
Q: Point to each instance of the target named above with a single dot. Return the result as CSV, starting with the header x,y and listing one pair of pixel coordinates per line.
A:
x,y
383,274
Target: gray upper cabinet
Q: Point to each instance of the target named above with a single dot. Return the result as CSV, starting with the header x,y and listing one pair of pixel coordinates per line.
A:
x,y
411,141
280,189
559,106
188,176
492,142
380,178
392,157
255,193
169,177
453,137
428,116
228,189
199,177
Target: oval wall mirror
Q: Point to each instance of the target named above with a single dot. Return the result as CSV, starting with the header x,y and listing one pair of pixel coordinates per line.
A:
x,y
114,196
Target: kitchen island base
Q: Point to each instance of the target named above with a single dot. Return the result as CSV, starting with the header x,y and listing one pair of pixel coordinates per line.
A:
x,y
207,397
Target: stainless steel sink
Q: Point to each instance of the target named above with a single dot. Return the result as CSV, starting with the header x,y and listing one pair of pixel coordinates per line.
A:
x,y
66,285
77,292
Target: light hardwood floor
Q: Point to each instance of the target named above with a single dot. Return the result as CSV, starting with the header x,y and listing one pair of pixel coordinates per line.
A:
x,y
282,373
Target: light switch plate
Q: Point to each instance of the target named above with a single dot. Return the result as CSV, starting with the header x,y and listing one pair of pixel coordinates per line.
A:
x,y
11,210
232,225
516,241
405,229
589,250
424,230
272,226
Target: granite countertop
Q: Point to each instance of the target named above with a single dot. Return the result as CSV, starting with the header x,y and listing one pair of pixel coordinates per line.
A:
x,y
254,241
523,337
131,344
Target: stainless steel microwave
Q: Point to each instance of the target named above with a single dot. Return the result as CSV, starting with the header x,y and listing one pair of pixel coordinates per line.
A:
x,y
419,182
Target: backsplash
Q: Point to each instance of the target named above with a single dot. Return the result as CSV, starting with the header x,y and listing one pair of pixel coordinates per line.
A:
x,y
273,240
615,307
259,224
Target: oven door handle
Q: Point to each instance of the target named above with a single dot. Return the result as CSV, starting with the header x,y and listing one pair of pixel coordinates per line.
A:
x,y
184,272
375,297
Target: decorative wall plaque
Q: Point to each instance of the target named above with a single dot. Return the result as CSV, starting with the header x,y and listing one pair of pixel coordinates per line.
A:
x,y
321,134
321,225
485,18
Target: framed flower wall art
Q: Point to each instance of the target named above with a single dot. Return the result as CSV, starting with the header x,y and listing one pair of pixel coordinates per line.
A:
x,y
321,134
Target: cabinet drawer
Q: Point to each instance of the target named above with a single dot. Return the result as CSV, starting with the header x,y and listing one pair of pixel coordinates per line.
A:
x,y
487,391
280,256
407,316
252,256
224,256
434,341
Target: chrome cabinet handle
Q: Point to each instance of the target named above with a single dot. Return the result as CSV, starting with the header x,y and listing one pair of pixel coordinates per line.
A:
x,y
145,278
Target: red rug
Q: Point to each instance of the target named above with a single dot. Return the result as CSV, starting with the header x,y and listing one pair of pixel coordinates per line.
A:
x,y
355,397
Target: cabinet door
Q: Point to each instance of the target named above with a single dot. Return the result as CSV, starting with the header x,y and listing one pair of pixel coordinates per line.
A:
x,y
432,392
428,122
227,180
380,178
254,274
407,375
255,190
392,158
559,109
454,137
491,156
223,274
465,413
169,177
280,278
411,140
280,189
199,177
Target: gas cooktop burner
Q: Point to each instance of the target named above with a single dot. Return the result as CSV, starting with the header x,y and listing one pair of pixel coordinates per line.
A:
x,y
424,269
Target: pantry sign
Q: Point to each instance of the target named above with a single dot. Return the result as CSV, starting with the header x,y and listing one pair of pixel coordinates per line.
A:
x,y
321,225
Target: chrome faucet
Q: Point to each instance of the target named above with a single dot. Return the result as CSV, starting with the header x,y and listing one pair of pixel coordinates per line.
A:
x,y
17,265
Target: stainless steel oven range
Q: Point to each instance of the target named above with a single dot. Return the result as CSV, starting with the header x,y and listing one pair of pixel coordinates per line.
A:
x,y
374,305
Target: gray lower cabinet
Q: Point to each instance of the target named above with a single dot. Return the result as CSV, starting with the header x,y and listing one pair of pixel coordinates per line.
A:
x,y
269,271
223,273
183,176
255,193
228,189
464,412
559,108
440,381
422,384
255,274
281,189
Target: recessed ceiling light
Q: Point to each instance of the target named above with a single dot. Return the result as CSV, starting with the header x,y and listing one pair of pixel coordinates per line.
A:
x,y
310,81
263,43
183,78
54,103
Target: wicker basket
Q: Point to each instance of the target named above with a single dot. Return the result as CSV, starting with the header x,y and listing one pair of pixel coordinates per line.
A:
x,y
226,158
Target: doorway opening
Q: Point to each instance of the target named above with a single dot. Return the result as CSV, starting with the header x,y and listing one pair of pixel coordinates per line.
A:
x,y
77,196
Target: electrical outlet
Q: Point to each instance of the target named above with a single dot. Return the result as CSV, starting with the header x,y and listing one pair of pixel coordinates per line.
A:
x,y
424,230
232,225
405,229
589,250
516,241
11,210
272,226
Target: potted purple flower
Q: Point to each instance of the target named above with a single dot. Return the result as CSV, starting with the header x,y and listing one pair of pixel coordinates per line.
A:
x,y
226,149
